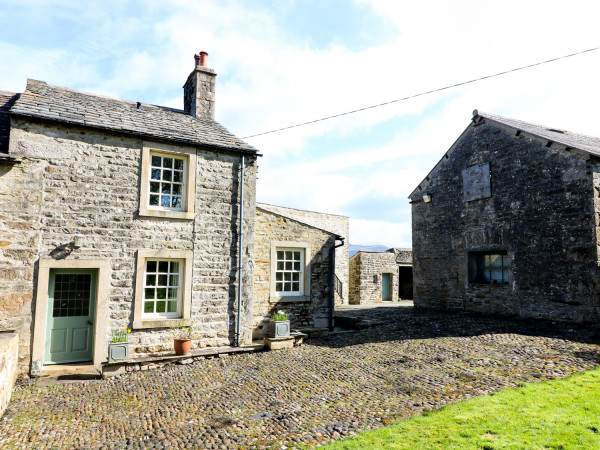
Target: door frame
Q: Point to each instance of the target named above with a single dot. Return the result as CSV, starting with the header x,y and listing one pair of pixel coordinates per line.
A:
x,y
41,308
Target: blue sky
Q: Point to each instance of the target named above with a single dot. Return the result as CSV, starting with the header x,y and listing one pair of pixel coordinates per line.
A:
x,y
281,62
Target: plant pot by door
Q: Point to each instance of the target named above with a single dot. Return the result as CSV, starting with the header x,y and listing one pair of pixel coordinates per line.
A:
x,y
118,352
279,328
182,346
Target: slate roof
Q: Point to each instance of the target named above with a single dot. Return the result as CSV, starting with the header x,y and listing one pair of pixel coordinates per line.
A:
x,y
43,101
588,144
6,101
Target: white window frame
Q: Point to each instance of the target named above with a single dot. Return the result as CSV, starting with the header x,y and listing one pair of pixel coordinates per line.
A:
x,y
291,270
189,183
304,293
156,287
150,180
163,320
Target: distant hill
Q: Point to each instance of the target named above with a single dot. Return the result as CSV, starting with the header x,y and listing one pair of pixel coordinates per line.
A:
x,y
368,248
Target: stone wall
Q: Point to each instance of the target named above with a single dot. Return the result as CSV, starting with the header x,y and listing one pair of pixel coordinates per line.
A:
x,y
366,269
333,223
78,181
306,312
540,212
9,344
402,255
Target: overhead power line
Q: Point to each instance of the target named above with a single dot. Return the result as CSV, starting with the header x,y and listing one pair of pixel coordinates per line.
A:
x,y
424,93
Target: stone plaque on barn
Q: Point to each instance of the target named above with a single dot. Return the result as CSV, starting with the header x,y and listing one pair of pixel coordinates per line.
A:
x,y
476,182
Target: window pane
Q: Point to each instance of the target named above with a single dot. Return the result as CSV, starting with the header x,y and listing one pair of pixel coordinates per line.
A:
x,y
279,265
167,175
287,287
179,164
155,174
150,280
163,266
161,293
296,265
278,276
279,287
156,160
295,277
297,256
172,307
168,162
161,307
165,201
162,280
150,266
166,188
178,177
172,293
177,189
287,276
174,280
149,293
154,200
296,287
176,202
154,186
174,266
279,255
288,255
289,265
149,307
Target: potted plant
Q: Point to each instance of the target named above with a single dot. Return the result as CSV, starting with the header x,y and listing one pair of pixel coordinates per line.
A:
x,y
280,325
118,348
183,333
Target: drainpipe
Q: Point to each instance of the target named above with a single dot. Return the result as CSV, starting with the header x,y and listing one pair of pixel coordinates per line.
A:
x,y
240,258
332,281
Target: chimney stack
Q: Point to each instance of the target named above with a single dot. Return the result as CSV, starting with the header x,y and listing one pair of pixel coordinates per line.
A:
x,y
199,89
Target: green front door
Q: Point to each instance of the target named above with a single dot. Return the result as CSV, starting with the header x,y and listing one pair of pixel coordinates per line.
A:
x,y
71,311
386,287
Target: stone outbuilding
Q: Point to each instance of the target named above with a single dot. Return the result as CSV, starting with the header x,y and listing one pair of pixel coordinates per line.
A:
x,y
116,213
296,269
508,222
380,276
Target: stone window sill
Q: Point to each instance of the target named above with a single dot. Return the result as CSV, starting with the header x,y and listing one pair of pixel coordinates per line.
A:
x,y
158,323
166,214
290,299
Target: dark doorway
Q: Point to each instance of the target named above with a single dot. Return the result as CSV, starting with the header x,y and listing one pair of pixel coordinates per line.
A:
x,y
405,282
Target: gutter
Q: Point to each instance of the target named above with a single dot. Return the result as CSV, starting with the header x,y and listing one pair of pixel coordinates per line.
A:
x,y
331,280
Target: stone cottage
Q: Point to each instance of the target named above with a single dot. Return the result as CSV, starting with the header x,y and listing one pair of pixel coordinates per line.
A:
x,y
116,213
380,276
299,267
508,222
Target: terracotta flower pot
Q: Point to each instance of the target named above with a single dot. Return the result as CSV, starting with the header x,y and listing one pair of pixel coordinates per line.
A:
x,y
182,346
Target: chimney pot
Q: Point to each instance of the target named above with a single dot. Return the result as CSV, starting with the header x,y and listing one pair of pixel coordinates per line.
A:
x,y
200,59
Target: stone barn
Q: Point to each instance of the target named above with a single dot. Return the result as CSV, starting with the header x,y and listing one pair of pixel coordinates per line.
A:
x,y
296,269
116,213
508,222
380,276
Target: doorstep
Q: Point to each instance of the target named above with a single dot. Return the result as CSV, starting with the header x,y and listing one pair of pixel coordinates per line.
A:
x,y
77,371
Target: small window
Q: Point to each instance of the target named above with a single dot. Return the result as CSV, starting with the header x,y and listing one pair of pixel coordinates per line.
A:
x,y
167,187
488,267
167,182
375,279
289,271
162,288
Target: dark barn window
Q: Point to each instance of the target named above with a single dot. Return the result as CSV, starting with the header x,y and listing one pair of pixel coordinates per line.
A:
x,y
488,267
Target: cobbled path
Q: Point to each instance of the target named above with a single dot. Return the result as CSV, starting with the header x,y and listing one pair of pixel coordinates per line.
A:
x,y
325,390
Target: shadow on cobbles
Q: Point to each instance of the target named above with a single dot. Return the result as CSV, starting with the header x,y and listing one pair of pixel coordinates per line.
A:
x,y
382,324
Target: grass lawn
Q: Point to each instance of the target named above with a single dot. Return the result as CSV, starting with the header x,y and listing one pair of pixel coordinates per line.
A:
x,y
554,414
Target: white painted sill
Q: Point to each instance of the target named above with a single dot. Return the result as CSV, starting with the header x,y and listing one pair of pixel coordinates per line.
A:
x,y
166,214
290,299
158,323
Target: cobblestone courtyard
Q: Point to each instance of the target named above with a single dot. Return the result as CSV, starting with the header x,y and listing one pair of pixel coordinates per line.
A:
x,y
325,390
